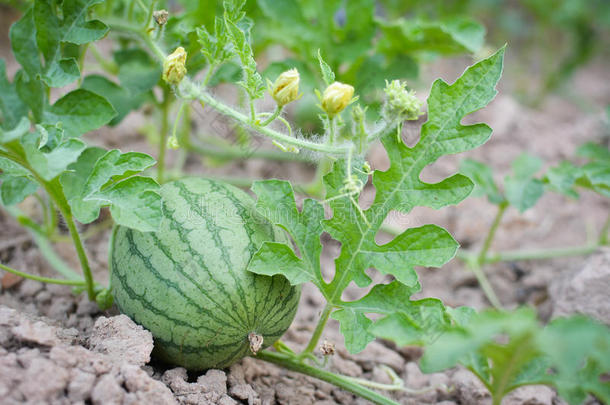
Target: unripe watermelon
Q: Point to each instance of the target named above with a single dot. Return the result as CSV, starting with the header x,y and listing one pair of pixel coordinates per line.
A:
x,y
188,284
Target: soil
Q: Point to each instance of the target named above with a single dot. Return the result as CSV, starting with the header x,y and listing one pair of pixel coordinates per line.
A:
x,y
58,348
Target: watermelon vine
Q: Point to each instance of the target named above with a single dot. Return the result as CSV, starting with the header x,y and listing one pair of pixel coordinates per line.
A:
x,y
216,275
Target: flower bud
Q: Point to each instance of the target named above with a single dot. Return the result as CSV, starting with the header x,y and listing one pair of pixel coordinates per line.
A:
x,y
174,68
161,17
400,104
172,142
286,87
336,97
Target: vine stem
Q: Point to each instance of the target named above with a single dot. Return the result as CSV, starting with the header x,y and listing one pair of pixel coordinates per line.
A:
x,y
194,92
276,113
78,283
43,244
231,152
492,232
53,189
292,363
317,333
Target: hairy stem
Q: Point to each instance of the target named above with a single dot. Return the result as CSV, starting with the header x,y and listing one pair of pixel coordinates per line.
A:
x,y
292,363
232,152
317,333
276,113
193,91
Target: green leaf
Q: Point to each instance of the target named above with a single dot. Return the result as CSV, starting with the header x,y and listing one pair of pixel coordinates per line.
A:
x,y
597,175
32,92
76,28
138,72
80,111
50,163
354,326
509,349
14,189
522,189
12,108
405,322
134,202
327,73
121,99
276,203
73,184
482,177
562,178
594,151
442,134
23,41
579,352
61,73
22,127
101,178
453,36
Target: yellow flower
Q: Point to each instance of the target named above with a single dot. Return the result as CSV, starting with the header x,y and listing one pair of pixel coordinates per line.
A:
x,y
174,68
336,97
286,87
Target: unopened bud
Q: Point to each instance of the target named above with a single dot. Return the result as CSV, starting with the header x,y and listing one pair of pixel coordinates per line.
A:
x,y
161,17
400,104
174,68
286,87
336,97
172,142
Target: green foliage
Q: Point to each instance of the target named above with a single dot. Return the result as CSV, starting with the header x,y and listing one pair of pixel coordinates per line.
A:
x,y
506,350
593,175
43,42
399,188
522,189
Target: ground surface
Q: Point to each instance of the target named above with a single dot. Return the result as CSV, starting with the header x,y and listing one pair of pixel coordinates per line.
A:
x,y
58,348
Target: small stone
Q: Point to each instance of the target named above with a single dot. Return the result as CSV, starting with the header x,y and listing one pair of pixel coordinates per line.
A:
x,y
376,353
30,288
245,392
60,307
227,400
146,390
80,386
468,389
37,332
121,339
414,378
586,290
43,380
530,395
214,381
346,367
175,379
107,391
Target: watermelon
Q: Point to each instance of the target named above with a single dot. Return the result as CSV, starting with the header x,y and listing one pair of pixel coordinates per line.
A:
x,y
187,283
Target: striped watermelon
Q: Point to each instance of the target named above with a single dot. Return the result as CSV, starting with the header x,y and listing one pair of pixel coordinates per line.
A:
x,y
187,282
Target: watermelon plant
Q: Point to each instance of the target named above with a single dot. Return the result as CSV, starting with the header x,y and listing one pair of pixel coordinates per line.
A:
x,y
214,274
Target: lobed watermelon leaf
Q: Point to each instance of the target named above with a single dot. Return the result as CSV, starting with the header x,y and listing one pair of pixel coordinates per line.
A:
x,y
99,178
399,188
